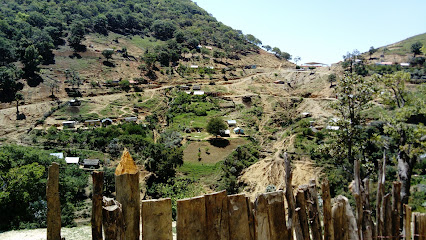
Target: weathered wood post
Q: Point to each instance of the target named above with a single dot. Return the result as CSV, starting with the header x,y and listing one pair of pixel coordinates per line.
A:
x,y
239,222
303,232
53,203
344,222
314,217
289,196
157,219
270,216
419,226
96,221
112,219
407,222
217,217
368,230
128,194
386,217
396,210
328,224
191,219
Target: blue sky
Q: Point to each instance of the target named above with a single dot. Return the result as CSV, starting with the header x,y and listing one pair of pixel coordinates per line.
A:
x,y
322,31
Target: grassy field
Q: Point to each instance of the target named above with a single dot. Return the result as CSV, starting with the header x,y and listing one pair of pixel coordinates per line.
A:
x,y
404,47
214,153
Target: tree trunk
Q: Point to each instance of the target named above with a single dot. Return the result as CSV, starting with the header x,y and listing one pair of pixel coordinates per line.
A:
x,y
96,221
405,169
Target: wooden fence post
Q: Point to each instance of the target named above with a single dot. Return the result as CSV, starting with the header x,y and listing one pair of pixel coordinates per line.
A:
x,y
217,217
368,229
53,203
250,214
191,219
112,219
128,194
386,217
289,196
407,222
96,221
344,222
239,218
303,232
328,223
270,216
157,219
396,210
314,217
419,226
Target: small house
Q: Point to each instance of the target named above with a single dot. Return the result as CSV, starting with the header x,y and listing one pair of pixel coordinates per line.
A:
x,y
334,128
72,160
74,102
69,124
193,66
306,114
404,64
184,87
199,93
91,163
232,123
92,123
196,87
58,155
131,119
208,47
225,133
238,130
106,122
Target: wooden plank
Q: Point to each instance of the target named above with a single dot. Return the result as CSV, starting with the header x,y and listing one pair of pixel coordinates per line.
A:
x,y
250,214
301,212
270,220
314,217
239,219
191,219
419,226
112,219
407,222
53,203
289,195
386,216
396,210
96,220
157,219
217,217
368,225
328,224
340,220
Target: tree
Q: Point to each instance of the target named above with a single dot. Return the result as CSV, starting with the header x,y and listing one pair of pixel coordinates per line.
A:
x,y
277,51
215,126
31,61
73,77
296,59
76,35
268,48
407,136
285,55
7,52
163,29
107,53
415,48
9,84
332,78
18,97
372,50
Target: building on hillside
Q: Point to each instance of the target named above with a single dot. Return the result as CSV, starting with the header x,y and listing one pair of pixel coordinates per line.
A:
x,y
58,155
384,63
232,123
306,114
314,65
225,133
196,87
72,160
131,119
404,64
184,87
193,66
106,122
198,93
74,102
238,130
91,163
92,123
208,47
69,124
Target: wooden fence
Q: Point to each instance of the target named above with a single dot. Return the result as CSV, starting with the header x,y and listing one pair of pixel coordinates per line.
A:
x,y
302,213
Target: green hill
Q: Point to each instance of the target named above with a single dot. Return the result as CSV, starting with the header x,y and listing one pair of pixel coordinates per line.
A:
x,y
404,47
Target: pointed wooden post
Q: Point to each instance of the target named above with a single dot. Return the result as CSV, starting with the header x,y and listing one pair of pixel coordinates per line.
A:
x,y
157,219
301,213
340,220
386,217
289,196
419,226
96,221
239,218
128,194
53,204
328,224
270,216
217,217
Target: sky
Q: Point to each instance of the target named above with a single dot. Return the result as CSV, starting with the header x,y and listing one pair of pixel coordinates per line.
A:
x,y
322,31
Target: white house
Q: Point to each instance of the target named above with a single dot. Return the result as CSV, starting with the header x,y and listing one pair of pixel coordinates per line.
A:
x,y
199,93
70,124
238,130
72,160
232,123
58,155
